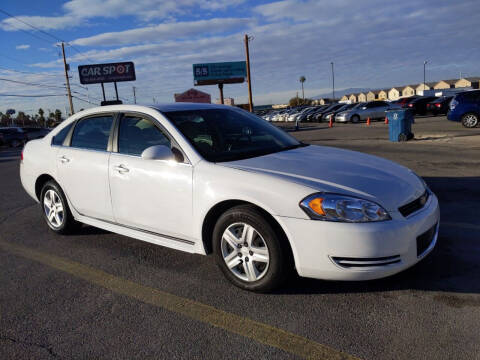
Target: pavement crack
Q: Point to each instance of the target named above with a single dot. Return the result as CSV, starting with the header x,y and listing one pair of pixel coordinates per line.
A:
x,y
49,349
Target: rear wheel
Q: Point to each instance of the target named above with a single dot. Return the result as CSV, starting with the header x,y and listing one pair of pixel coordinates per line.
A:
x,y
470,120
55,209
248,250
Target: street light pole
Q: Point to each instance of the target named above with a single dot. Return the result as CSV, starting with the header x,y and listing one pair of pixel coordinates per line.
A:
x,y
333,83
249,80
424,85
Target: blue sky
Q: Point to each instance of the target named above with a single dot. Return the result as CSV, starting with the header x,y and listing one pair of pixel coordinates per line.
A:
x,y
373,43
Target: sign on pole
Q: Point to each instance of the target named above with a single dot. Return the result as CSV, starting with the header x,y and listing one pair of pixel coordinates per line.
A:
x,y
104,73
219,73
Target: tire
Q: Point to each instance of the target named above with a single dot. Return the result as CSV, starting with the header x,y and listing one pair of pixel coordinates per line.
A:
x,y
402,137
355,119
470,120
62,221
266,245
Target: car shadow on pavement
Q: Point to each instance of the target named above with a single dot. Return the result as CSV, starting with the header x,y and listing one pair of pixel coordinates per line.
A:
x,y
454,264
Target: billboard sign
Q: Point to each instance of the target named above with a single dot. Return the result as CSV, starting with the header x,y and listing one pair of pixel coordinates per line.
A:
x,y
104,73
219,73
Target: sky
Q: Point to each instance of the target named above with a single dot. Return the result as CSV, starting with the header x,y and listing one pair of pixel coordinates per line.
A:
x,y
372,43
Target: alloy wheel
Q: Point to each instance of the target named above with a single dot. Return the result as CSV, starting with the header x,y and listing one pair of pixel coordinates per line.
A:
x,y
53,207
245,252
470,120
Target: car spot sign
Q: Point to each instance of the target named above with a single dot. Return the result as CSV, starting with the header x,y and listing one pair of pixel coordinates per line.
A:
x,y
104,73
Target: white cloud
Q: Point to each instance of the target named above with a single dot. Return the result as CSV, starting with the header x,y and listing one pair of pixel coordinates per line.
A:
x,y
41,22
166,31
22,47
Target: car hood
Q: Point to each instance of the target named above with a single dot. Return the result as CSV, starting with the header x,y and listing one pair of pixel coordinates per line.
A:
x,y
334,170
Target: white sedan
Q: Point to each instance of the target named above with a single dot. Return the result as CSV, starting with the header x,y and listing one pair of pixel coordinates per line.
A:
x,y
209,178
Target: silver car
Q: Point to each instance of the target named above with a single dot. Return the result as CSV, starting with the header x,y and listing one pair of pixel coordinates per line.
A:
x,y
373,109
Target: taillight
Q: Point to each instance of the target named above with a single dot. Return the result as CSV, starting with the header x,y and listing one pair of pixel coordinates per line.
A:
x,y
21,156
410,105
438,105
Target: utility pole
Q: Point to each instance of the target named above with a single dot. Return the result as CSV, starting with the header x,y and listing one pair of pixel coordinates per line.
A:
x,y
424,85
333,83
247,55
134,95
68,80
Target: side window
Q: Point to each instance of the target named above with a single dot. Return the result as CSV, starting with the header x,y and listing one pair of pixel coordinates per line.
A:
x,y
135,134
92,133
62,134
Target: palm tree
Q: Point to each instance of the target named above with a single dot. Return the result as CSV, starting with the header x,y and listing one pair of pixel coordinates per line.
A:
x,y
302,80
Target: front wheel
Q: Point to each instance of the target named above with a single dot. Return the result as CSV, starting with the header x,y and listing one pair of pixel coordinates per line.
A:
x,y
355,119
55,209
249,251
470,120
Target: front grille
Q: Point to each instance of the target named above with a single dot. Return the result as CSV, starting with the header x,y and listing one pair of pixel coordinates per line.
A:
x,y
349,262
415,205
424,240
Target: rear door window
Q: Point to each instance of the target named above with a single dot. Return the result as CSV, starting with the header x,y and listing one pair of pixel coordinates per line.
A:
x,y
62,134
92,133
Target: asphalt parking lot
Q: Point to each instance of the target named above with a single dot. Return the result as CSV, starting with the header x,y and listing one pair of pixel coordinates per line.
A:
x,y
102,295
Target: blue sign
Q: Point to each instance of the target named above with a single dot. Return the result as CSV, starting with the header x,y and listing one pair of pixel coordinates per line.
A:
x,y
219,73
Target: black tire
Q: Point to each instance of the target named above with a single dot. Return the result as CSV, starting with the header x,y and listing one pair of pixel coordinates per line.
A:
x,y
68,224
470,120
355,119
279,266
402,137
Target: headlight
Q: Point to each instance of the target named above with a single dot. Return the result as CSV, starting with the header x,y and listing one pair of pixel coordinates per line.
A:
x,y
335,207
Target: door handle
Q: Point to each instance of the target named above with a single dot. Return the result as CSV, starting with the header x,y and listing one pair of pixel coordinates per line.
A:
x,y
121,169
64,159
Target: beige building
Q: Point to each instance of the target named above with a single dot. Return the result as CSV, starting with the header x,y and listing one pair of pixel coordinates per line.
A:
x,y
344,98
352,98
370,96
472,82
394,93
361,97
408,91
380,95
445,84
427,86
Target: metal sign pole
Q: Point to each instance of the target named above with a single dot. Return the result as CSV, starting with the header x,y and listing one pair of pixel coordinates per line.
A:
x,y
220,87
103,91
116,90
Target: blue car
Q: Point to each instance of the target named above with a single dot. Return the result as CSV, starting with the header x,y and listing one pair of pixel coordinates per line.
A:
x,y
465,107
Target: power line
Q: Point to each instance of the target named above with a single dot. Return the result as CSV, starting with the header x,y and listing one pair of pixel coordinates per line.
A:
x,y
76,97
33,84
31,34
30,25
29,72
33,96
46,33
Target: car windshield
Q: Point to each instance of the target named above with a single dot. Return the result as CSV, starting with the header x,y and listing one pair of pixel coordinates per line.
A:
x,y
230,134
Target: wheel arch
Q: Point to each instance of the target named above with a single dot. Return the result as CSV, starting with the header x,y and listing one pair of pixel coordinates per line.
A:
x,y
41,180
218,209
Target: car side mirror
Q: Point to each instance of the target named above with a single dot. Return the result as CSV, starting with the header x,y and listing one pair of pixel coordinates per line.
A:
x,y
158,152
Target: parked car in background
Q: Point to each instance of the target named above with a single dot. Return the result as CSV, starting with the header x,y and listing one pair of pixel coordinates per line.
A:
x,y
375,110
303,115
263,202
35,133
439,106
419,105
319,116
465,107
12,136
403,102
331,114
311,116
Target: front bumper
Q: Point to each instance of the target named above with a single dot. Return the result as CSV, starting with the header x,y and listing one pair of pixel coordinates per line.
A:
x,y
341,119
383,248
